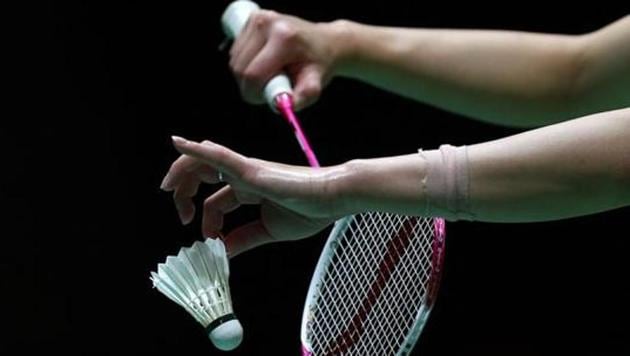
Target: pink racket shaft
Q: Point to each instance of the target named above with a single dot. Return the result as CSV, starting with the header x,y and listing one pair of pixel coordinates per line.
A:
x,y
409,230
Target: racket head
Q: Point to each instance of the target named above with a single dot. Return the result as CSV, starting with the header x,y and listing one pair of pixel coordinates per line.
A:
x,y
374,285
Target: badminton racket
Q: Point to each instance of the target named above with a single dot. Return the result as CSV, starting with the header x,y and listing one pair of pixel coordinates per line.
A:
x,y
378,275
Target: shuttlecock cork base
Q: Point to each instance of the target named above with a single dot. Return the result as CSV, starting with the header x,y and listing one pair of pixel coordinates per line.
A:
x,y
197,280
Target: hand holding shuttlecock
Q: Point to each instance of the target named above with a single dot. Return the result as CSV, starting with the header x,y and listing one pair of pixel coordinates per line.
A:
x,y
197,279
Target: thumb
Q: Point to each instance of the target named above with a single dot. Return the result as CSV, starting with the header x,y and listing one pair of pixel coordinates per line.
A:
x,y
308,87
247,237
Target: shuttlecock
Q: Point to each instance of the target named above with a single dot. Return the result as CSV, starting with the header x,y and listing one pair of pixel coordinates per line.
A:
x,y
197,279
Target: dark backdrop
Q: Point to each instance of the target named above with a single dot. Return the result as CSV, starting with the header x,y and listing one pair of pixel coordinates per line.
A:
x,y
98,88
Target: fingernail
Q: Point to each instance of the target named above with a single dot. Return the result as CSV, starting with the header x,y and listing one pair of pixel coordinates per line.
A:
x,y
179,140
165,182
185,220
180,213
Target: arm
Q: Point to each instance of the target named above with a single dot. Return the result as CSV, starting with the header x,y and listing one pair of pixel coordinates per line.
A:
x,y
504,77
510,78
568,169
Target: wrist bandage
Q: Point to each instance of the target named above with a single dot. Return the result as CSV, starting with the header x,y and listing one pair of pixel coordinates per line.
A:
x,y
446,184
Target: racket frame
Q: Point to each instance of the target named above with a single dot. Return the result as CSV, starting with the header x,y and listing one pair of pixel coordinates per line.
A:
x,y
325,259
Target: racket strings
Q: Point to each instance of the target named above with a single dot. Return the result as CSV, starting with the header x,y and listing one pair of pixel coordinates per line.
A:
x,y
378,281
375,285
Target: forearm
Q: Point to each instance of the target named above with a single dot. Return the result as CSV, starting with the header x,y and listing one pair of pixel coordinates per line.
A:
x,y
503,77
569,169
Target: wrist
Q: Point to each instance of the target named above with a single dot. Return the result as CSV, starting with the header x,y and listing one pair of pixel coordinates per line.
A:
x,y
348,186
343,42
390,184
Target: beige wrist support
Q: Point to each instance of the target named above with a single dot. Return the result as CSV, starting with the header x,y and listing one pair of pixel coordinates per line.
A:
x,y
446,184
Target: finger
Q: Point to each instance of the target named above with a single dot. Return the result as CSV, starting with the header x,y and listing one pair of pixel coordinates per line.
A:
x,y
256,16
246,48
237,43
248,44
210,175
183,198
216,156
308,87
203,172
215,207
247,237
182,167
269,61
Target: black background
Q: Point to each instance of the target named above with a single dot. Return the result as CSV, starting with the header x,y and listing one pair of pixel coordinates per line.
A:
x,y
96,91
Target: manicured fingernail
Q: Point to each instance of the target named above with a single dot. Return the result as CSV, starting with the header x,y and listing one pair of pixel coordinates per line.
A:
x,y
185,220
165,182
179,140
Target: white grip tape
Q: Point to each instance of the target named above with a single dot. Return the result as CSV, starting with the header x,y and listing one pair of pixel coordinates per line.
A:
x,y
236,15
276,86
447,183
234,19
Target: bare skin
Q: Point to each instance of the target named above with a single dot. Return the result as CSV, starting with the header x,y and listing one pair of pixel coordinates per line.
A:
x,y
570,167
503,77
573,168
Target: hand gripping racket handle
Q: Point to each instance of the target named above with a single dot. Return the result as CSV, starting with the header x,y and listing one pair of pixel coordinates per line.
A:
x,y
233,20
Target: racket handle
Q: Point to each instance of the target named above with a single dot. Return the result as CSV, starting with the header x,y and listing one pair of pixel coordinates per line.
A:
x,y
233,20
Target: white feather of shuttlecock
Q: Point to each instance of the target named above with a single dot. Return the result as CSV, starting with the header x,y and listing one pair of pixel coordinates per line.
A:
x,y
197,279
